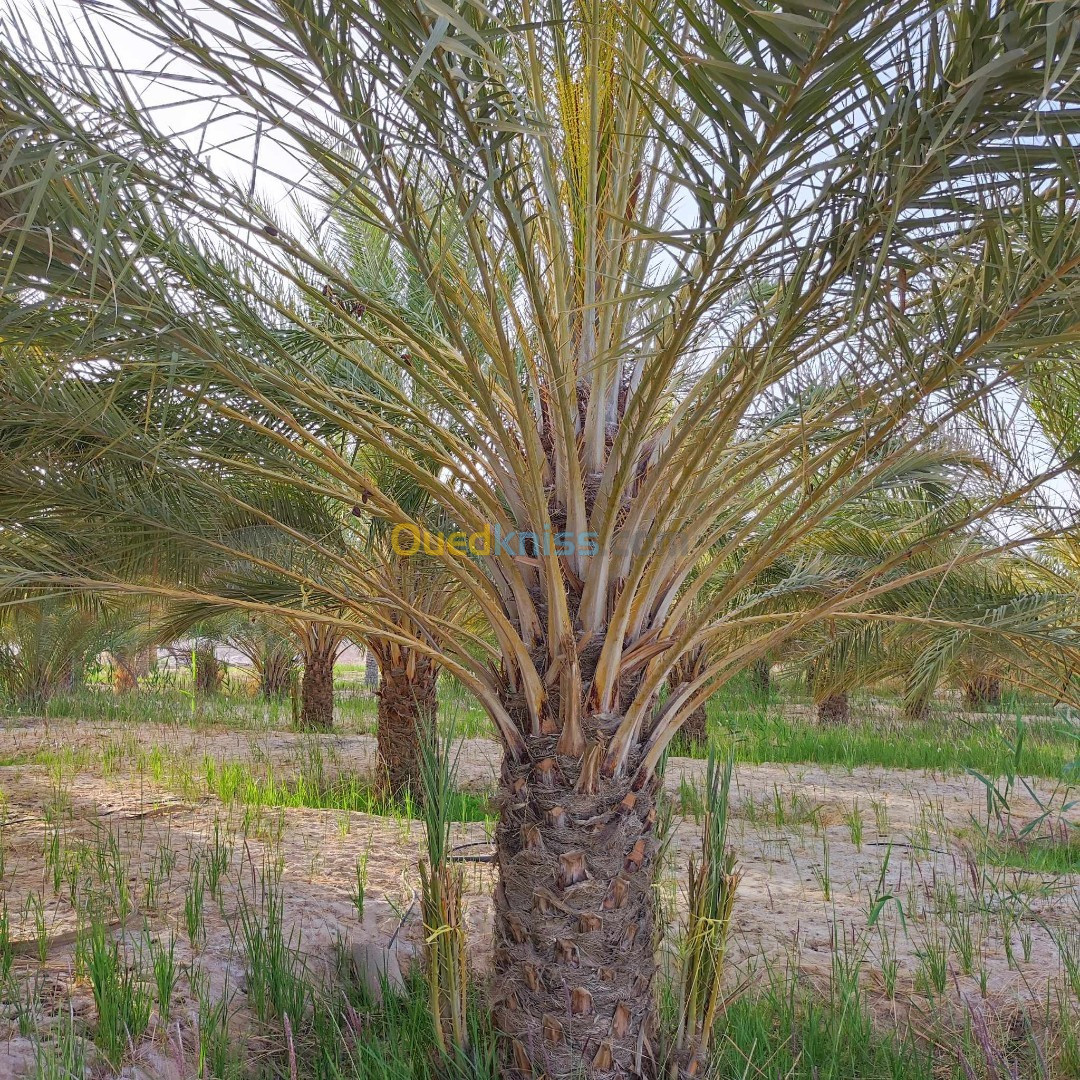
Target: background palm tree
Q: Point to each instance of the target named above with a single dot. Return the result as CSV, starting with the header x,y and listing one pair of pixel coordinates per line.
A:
x,y
585,193
207,554
974,624
133,655
46,643
320,644
271,652
969,620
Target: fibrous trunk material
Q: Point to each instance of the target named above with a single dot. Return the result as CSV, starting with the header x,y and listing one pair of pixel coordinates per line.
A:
x,y
317,688
131,666
683,671
276,673
208,673
408,702
982,690
761,676
695,727
834,709
371,672
124,680
574,950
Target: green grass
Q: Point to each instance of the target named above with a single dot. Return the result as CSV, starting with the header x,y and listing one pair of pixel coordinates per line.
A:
x,y
1056,855
759,734
753,723
781,1033
784,1029
165,704
237,708
276,969
1016,701
350,1036
241,783
121,994
233,782
941,745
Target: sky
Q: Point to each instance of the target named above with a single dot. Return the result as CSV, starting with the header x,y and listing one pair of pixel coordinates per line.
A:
x,y
219,135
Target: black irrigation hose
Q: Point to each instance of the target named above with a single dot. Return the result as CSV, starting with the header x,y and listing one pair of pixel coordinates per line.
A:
x,y
472,858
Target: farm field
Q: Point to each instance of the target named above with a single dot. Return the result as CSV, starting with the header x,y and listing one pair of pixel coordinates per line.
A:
x,y
202,881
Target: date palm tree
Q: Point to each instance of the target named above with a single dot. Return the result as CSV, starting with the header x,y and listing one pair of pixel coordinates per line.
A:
x,y
407,690
209,550
47,641
644,230
133,656
320,644
1000,614
271,653
1003,618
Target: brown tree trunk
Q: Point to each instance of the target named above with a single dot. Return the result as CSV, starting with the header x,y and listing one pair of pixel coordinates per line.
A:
x,y
317,685
130,667
574,951
208,673
371,671
408,701
761,676
834,709
124,678
685,670
695,728
917,711
276,673
146,661
981,691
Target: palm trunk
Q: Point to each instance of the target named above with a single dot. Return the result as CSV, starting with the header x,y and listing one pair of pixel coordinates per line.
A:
x,y
145,661
761,676
916,707
208,674
685,670
574,948
130,667
695,728
834,709
982,690
317,685
371,671
408,700
276,674
916,711
124,680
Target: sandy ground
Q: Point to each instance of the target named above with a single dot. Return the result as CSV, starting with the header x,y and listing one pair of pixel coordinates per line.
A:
x,y
806,894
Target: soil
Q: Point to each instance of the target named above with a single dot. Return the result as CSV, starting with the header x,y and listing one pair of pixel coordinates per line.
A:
x,y
791,829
